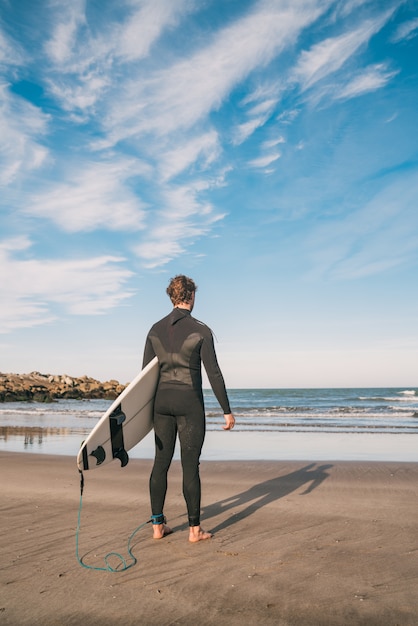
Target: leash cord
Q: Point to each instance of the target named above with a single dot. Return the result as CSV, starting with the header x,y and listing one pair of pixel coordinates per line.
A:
x,y
122,560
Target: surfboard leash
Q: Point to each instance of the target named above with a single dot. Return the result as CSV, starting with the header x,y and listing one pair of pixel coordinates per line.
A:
x,y
123,565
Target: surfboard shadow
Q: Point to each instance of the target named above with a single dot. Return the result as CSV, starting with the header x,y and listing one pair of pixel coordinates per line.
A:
x,y
249,501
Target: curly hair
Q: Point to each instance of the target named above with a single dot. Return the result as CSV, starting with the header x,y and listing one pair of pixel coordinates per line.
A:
x,y
181,289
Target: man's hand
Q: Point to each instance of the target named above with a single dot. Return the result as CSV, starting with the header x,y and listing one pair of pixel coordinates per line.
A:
x,y
230,421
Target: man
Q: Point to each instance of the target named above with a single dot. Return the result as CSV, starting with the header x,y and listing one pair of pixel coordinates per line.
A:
x,y
181,343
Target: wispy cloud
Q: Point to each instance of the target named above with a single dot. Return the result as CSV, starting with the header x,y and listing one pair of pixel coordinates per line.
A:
x,y
406,31
159,105
22,127
80,64
11,52
161,114
32,288
264,161
246,129
287,117
203,148
347,6
330,55
372,78
257,115
85,64
184,218
184,93
128,34
93,195
271,143
146,23
60,47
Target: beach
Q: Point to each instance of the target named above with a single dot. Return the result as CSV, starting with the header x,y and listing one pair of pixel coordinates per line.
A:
x,y
295,542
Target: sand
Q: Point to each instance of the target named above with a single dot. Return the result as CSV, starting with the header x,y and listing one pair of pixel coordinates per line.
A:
x,y
295,543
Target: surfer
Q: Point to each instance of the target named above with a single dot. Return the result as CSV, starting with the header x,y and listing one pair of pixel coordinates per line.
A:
x,y
181,343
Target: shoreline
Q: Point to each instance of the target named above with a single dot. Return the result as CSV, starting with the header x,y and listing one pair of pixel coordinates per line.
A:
x,y
251,446
296,543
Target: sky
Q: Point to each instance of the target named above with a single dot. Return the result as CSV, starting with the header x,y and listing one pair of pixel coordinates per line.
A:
x,y
266,148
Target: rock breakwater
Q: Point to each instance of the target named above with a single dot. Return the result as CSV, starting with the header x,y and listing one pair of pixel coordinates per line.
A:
x,y
37,387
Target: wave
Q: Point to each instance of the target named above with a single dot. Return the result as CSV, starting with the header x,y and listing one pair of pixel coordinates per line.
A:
x,y
343,413
60,414
337,410
405,397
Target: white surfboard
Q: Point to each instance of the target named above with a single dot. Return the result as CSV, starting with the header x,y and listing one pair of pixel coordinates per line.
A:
x,y
125,423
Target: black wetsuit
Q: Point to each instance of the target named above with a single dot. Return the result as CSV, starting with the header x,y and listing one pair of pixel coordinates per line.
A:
x,y
181,343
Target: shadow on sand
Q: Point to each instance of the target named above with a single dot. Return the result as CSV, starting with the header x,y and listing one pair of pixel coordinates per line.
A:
x,y
257,496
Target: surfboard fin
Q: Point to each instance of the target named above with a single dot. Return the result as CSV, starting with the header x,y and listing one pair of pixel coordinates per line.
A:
x,y
118,415
116,419
99,454
122,455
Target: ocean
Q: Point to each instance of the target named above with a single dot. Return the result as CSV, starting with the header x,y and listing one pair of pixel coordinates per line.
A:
x,y
363,423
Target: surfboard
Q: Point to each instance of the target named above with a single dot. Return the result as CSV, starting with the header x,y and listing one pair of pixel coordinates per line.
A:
x,y
124,424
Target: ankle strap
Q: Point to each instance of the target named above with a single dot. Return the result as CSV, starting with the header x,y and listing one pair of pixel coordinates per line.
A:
x,y
158,519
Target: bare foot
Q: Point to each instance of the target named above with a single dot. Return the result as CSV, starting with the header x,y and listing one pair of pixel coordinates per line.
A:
x,y
161,530
198,534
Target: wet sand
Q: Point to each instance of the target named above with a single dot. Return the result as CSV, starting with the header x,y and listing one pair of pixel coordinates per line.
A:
x,y
295,543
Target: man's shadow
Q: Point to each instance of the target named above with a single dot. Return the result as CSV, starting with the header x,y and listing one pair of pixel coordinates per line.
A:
x,y
257,496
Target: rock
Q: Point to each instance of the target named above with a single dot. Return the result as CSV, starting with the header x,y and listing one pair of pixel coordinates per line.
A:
x,y
37,387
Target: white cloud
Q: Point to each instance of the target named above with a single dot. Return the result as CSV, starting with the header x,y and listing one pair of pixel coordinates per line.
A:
x,y
11,53
204,148
79,95
246,129
267,92
392,118
31,288
258,115
288,117
146,24
330,55
272,143
86,65
158,252
96,195
347,6
364,81
180,95
372,78
264,107
407,30
182,221
264,161
141,23
60,47
22,125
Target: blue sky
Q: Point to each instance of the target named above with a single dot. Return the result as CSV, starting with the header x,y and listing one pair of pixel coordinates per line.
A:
x,y
268,149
